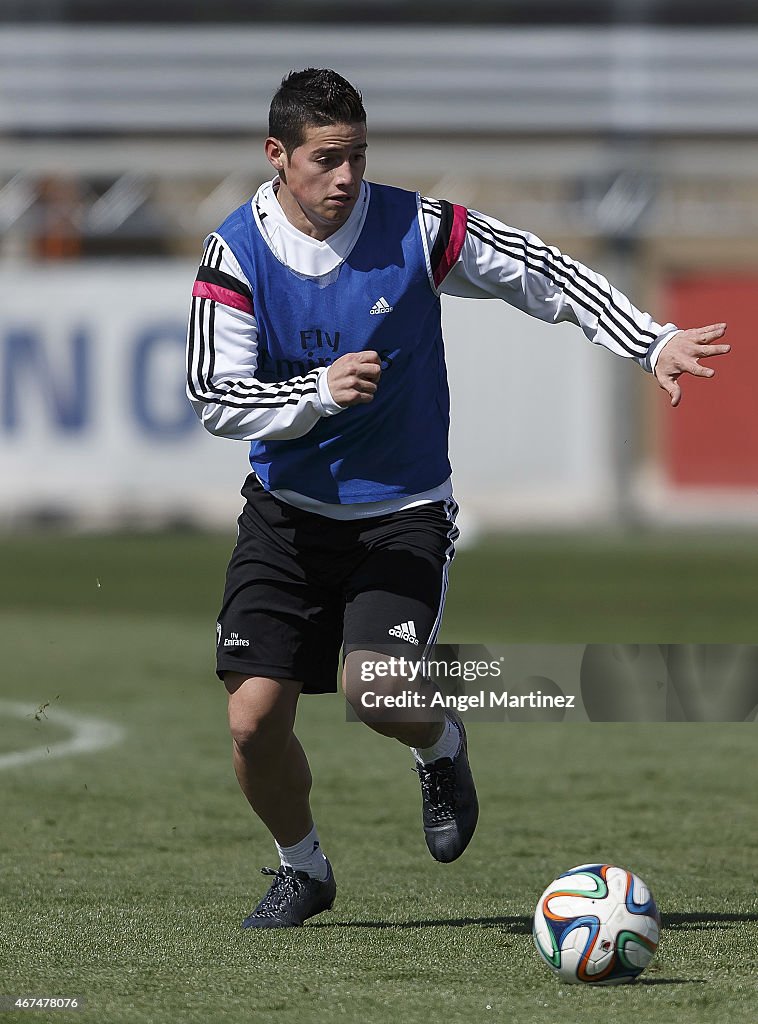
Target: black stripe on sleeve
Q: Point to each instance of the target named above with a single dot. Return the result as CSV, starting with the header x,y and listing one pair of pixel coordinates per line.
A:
x,y
563,265
442,240
554,267
210,252
202,380
250,394
213,276
191,350
211,345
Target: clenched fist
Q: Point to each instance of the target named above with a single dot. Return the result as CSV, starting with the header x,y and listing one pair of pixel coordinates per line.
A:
x,y
354,377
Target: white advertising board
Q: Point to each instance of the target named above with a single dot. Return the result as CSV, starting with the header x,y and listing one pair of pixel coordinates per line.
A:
x,y
94,422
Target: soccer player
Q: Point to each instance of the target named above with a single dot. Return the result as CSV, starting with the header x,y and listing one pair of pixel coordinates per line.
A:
x,y
315,335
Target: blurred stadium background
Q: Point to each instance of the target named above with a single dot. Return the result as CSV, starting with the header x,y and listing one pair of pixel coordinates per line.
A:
x,y
624,132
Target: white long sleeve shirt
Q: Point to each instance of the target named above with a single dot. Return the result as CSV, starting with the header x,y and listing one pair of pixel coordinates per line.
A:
x,y
496,261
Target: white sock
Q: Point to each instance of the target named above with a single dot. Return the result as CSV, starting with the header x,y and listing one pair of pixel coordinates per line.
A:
x,y
305,856
446,746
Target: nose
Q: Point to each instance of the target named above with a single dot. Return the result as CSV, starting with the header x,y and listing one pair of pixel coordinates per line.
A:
x,y
346,176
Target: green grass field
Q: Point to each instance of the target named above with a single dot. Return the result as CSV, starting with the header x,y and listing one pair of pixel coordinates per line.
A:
x,y
125,872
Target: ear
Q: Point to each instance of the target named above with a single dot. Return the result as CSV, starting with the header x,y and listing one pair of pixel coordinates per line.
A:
x,y
276,154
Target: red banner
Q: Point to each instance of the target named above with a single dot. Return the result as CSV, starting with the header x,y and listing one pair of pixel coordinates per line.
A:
x,y
711,439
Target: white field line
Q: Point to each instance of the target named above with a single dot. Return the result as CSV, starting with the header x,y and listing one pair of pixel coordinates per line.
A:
x,y
87,735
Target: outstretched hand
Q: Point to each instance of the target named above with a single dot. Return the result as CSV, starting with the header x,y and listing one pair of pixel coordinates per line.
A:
x,y
682,354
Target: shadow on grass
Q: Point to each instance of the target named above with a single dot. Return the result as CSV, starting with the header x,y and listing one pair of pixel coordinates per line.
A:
x,y
523,926
704,920
516,925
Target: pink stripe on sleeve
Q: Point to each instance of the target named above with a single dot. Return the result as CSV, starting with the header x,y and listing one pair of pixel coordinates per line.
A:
x,y
454,246
203,290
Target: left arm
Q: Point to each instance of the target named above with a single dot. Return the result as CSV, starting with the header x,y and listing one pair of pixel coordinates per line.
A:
x,y
498,261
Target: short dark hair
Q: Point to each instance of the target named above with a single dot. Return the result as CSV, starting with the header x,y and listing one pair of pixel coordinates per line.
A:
x,y
315,96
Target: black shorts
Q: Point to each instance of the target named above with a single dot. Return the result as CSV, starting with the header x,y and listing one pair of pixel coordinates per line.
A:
x,y
300,587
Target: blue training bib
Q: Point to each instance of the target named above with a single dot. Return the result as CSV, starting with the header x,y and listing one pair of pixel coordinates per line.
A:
x,y
379,298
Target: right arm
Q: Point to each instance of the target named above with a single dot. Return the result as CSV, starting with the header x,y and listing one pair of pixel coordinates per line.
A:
x,y
222,359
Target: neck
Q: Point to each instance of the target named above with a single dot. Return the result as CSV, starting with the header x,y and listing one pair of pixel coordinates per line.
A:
x,y
295,214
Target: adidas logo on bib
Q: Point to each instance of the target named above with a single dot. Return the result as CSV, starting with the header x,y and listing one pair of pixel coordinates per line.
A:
x,y
381,306
405,631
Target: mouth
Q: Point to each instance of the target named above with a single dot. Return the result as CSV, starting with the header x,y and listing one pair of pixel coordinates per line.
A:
x,y
340,200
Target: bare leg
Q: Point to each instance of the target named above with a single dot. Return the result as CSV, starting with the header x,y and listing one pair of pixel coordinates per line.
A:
x,y
413,727
269,762
450,808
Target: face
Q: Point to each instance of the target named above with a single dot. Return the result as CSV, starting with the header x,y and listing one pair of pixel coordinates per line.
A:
x,y
320,181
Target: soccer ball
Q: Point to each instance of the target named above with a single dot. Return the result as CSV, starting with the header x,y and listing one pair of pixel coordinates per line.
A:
x,y
597,924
